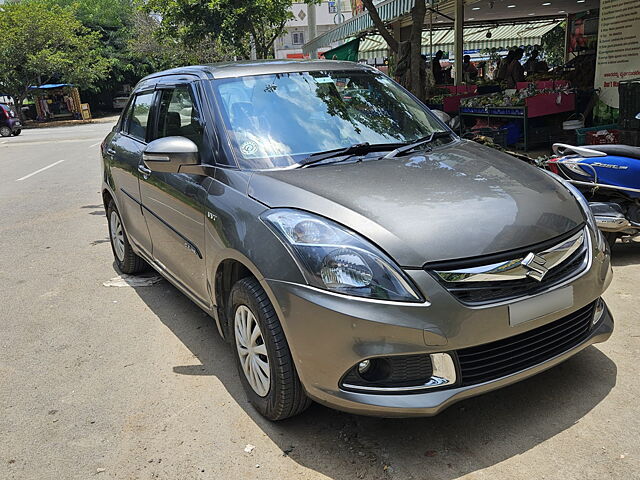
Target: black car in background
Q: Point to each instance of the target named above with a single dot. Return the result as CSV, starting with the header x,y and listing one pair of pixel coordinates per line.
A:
x,y
9,121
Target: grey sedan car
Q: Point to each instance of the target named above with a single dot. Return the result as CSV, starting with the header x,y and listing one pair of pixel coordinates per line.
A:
x,y
352,249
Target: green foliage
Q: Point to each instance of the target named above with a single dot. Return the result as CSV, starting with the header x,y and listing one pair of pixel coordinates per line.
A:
x,y
232,22
149,49
113,21
41,42
553,45
100,14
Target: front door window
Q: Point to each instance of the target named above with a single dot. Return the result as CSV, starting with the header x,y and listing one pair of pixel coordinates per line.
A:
x,y
178,116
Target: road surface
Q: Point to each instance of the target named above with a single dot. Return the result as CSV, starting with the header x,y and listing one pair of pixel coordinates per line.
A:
x,y
134,383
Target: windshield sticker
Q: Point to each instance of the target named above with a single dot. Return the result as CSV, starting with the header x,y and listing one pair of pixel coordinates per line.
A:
x,y
249,148
323,79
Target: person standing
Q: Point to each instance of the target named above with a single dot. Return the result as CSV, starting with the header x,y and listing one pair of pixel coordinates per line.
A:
x,y
436,68
501,72
515,71
530,66
534,65
469,70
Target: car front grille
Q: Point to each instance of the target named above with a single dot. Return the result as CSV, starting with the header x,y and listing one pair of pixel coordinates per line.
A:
x,y
476,293
493,360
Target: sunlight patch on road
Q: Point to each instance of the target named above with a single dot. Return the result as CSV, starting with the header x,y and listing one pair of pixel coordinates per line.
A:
x,y
133,281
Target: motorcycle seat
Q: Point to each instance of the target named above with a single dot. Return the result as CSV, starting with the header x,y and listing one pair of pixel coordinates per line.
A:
x,y
616,150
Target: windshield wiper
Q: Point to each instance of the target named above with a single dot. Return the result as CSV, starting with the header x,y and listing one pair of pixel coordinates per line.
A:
x,y
355,149
417,143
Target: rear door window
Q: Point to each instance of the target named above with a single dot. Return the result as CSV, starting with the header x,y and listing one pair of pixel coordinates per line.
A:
x,y
139,116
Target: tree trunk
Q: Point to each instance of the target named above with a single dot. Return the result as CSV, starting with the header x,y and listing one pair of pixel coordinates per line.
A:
x,y
417,65
377,21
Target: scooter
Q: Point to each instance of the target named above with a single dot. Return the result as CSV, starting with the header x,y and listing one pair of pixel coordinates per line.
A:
x,y
609,177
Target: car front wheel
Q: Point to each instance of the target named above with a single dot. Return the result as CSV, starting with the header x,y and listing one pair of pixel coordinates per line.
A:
x,y
266,368
126,260
17,132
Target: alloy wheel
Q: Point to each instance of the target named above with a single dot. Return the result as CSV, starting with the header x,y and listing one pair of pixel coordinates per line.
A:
x,y
252,351
117,235
5,131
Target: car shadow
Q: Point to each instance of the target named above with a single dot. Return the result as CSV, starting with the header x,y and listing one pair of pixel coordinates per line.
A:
x,y
467,437
623,254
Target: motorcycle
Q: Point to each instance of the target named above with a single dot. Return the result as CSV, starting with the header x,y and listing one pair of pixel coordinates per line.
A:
x,y
609,178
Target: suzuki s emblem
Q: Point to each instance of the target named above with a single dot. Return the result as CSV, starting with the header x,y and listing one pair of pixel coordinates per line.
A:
x,y
535,264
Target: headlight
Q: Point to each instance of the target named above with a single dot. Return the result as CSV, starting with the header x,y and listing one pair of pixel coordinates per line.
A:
x,y
337,259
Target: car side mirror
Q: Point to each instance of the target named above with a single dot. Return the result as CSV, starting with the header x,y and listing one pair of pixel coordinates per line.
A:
x,y
168,154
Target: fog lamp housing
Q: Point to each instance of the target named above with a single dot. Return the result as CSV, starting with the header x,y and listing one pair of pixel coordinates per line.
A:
x,y
401,374
598,311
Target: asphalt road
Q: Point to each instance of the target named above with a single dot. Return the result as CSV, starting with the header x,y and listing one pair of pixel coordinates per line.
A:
x,y
134,383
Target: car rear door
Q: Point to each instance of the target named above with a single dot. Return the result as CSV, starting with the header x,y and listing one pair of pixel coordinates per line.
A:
x,y
174,202
125,152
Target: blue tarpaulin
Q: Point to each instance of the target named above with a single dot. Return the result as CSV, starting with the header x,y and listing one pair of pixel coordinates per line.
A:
x,y
50,86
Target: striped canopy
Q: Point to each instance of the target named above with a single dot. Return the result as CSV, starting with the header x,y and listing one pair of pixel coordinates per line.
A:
x,y
475,38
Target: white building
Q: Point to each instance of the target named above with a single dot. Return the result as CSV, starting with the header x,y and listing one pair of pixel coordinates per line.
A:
x,y
289,45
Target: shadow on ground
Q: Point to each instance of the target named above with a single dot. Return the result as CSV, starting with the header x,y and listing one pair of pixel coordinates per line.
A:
x,y
623,254
469,436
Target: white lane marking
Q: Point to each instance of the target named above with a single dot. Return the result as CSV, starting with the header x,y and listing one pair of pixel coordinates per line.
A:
x,y
40,170
95,144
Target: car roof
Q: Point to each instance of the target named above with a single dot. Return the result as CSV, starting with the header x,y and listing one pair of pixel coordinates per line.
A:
x,y
259,67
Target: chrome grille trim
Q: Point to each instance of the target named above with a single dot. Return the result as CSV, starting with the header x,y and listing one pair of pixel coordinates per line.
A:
x,y
514,269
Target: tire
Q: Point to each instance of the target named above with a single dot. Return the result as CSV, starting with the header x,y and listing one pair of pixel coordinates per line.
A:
x,y
5,131
17,132
126,260
611,238
284,396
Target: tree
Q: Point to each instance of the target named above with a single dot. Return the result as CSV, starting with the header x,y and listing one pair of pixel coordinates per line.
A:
x,y
41,42
411,68
147,47
237,23
114,22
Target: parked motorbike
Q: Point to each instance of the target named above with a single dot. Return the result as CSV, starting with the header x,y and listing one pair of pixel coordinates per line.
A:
x,y
609,177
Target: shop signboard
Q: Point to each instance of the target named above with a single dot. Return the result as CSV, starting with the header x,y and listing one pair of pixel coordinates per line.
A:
x,y
618,47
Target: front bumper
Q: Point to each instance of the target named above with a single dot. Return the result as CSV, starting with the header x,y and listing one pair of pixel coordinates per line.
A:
x,y
330,333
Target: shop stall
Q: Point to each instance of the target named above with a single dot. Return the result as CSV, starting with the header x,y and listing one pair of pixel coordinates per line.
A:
x,y
448,97
512,112
57,102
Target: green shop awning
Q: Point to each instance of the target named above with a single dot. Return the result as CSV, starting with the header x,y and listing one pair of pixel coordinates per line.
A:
x,y
475,38
348,51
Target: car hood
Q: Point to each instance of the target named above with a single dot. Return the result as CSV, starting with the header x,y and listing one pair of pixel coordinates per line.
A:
x,y
458,201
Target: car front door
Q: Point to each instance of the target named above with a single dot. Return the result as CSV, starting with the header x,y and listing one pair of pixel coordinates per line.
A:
x,y
125,152
174,202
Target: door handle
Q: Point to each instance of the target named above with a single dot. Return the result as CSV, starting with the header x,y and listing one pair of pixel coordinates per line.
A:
x,y
144,170
111,151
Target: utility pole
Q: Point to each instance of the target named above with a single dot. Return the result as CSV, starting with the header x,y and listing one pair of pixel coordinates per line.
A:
x,y
459,39
311,11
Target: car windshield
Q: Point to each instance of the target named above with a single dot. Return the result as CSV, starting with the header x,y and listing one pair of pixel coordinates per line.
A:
x,y
278,120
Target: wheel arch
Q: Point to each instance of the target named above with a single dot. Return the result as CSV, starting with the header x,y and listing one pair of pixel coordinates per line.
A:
x,y
107,197
232,267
